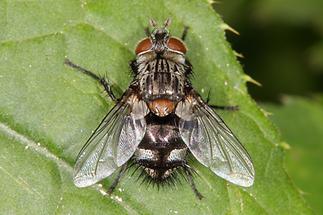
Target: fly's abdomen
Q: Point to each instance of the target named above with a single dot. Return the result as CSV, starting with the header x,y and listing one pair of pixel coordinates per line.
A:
x,y
162,150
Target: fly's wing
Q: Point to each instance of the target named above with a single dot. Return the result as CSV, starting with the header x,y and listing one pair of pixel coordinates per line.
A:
x,y
212,143
112,144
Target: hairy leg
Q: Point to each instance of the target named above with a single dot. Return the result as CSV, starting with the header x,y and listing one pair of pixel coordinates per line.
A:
x,y
147,31
230,108
184,34
102,80
117,179
193,186
222,107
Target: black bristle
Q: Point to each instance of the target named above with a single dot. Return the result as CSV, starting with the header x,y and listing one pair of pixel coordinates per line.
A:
x,y
177,175
161,179
135,170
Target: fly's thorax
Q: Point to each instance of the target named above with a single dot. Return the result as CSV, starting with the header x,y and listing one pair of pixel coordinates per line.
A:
x,y
161,79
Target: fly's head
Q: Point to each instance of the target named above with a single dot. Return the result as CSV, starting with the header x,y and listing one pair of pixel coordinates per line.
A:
x,y
160,43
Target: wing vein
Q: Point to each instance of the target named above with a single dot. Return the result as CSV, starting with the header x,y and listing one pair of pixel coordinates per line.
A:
x,y
111,126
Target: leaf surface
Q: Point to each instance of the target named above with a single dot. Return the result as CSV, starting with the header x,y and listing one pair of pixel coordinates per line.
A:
x,y
300,121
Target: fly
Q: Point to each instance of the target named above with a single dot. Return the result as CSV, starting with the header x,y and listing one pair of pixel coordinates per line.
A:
x,y
158,121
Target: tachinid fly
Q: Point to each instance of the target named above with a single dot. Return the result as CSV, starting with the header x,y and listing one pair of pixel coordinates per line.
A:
x,y
158,121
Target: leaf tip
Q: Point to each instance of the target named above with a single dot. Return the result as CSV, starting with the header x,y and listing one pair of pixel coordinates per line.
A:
x,y
213,2
266,113
285,145
225,26
238,54
247,78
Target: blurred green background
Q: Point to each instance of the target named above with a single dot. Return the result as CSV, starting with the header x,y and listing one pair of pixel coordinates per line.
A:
x,y
282,45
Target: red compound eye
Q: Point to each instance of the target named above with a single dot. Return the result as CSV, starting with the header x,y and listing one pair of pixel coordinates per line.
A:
x,y
177,45
143,45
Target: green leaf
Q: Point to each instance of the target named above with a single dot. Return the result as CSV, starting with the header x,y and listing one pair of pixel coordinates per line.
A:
x,y
48,110
300,121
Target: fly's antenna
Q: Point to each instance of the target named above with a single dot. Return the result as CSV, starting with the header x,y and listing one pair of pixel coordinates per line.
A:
x,y
160,34
167,22
153,23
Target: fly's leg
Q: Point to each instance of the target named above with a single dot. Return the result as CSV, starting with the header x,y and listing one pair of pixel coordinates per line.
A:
x,y
184,34
230,108
117,179
221,107
193,186
102,80
147,31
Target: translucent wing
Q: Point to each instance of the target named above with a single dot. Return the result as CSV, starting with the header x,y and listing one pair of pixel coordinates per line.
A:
x,y
212,143
112,144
